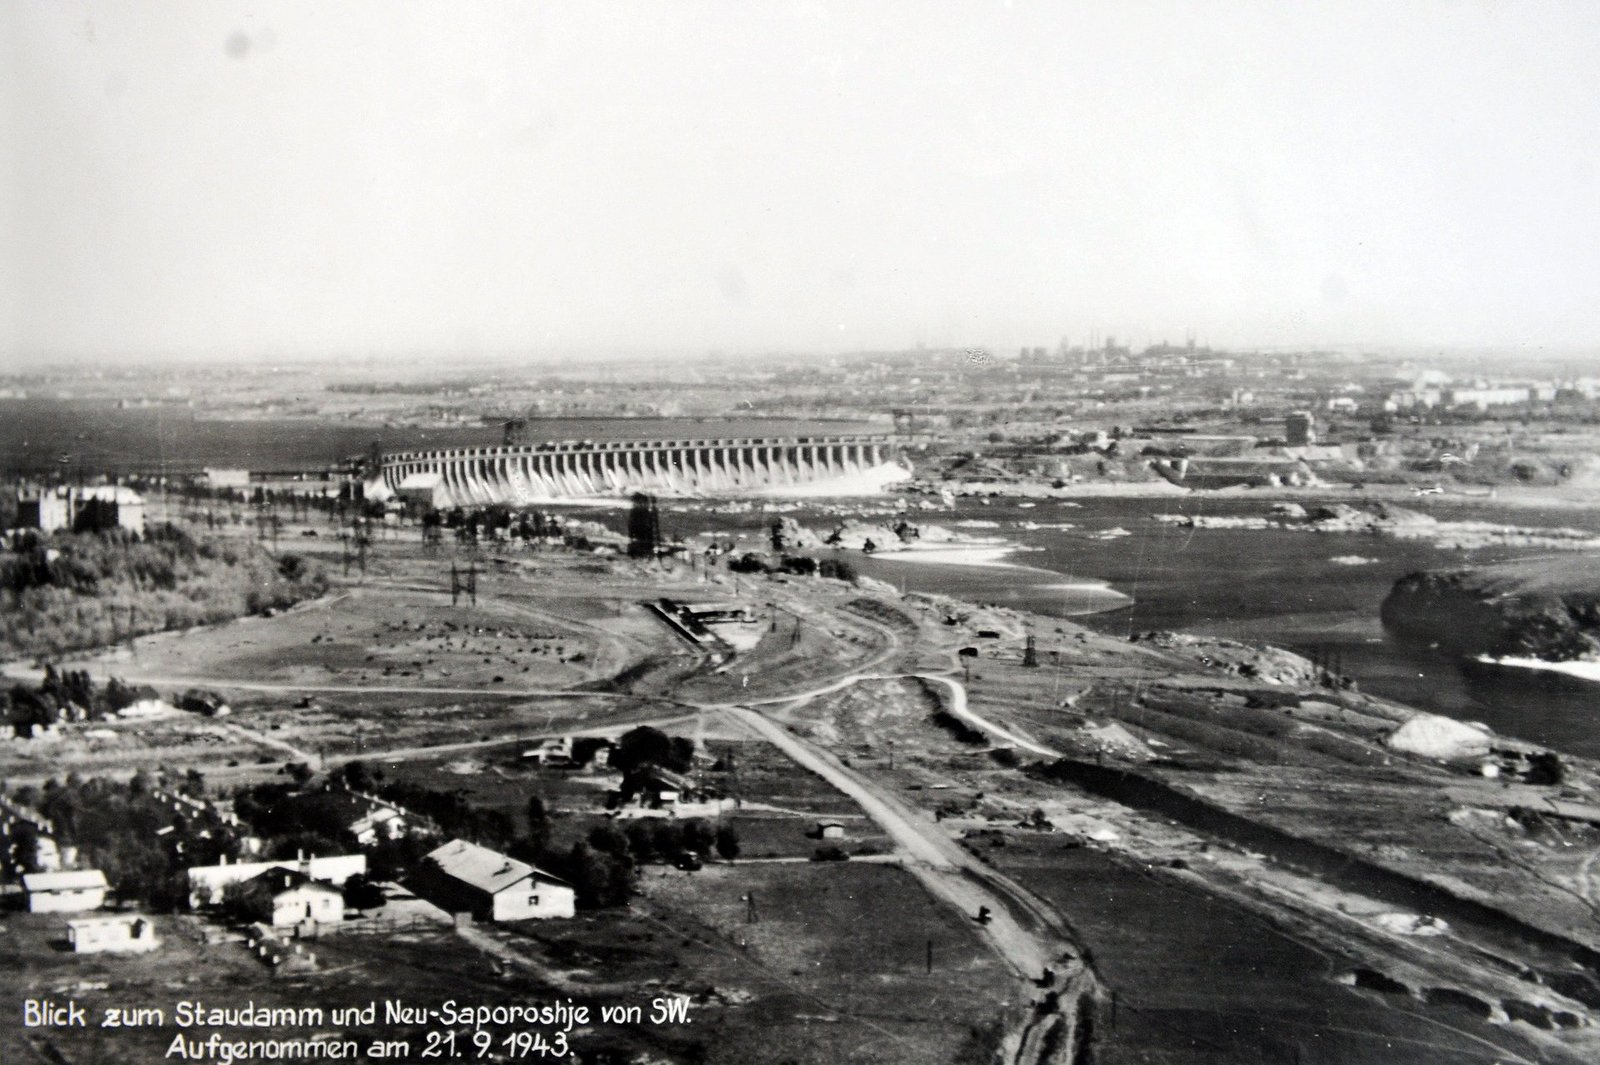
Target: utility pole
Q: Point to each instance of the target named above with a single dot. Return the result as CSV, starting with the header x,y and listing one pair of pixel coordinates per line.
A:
x,y
1030,655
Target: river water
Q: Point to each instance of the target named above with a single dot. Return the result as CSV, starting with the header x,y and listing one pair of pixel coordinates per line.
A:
x,y
1298,590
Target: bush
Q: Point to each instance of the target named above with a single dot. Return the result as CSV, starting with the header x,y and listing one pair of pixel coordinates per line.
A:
x,y
837,569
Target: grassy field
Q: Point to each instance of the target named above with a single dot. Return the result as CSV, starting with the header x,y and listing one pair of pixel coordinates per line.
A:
x,y
831,979
817,977
1221,984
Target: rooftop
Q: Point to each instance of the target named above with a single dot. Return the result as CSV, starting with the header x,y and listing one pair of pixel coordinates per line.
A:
x,y
66,880
485,869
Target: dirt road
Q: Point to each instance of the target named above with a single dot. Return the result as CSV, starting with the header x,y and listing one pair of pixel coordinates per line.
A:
x,y
1021,928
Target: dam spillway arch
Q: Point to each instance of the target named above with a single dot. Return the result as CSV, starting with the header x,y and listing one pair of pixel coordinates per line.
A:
x,y
575,469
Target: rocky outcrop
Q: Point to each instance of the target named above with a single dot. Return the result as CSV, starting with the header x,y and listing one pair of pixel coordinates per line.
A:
x,y
790,535
1542,608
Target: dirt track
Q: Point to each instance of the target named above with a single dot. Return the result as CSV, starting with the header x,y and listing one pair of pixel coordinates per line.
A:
x,y
1022,928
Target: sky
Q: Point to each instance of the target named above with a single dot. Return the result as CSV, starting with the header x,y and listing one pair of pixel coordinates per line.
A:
x,y
202,179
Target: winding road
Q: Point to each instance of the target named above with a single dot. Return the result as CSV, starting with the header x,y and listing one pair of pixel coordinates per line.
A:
x,y
1023,929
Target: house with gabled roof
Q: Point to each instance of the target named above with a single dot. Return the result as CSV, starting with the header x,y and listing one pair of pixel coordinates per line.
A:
x,y
65,891
282,897
463,876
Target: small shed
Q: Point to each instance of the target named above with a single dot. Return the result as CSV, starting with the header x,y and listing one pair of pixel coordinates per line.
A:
x,y
830,830
122,934
67,891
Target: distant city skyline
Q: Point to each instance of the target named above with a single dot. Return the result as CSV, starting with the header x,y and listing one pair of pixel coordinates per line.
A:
x,y
214,182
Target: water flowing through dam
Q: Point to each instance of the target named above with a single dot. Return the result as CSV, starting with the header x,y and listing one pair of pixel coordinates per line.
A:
x,y
519,475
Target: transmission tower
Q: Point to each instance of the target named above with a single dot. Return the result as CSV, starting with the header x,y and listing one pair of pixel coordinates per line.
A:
x,y
464,584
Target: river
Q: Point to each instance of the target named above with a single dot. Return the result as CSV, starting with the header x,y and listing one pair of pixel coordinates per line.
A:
x,y
1300,590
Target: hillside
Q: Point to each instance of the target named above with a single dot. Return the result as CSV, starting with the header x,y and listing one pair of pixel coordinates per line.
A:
x,y
1544,607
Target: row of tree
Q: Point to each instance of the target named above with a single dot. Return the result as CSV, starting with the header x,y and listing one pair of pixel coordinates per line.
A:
x,y
72,591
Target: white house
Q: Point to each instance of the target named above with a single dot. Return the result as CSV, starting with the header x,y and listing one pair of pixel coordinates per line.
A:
x,y
67,891
283,897
553,750
207,882
122,934
465,876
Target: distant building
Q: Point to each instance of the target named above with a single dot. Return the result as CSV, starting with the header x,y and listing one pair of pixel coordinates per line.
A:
x,y
44,509
367,818
553,750
108,507
1300,429
42,853
465,876
208,882
830,830
656,786
225,478
425,489
282,897
67,891
1484,396
95,509
122,934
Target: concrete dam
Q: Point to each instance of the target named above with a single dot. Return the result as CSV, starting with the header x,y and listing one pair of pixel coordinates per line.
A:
x,y
523,474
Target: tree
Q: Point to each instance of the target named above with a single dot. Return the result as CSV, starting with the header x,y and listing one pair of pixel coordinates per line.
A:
x,y
727,842
698,836
357,777
641,746
608,839
360,893
644,527
680,754
598,879
538,824
837,569
641,842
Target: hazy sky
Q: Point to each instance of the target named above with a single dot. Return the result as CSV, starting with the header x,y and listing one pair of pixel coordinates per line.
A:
x,y
199,177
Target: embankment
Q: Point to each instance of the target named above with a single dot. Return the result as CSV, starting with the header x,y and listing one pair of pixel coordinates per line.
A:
x,y
1545,608
1569,967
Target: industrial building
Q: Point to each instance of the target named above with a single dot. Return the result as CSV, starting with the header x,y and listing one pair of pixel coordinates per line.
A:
x,y
96,509
462,876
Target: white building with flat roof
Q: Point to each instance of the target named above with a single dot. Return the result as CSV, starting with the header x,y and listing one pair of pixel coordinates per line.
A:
x,y
208,882
118,934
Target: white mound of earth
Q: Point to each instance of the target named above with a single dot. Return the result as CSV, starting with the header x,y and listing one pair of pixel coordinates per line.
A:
x,y
1444,738
1411,924
147,709
1113,738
